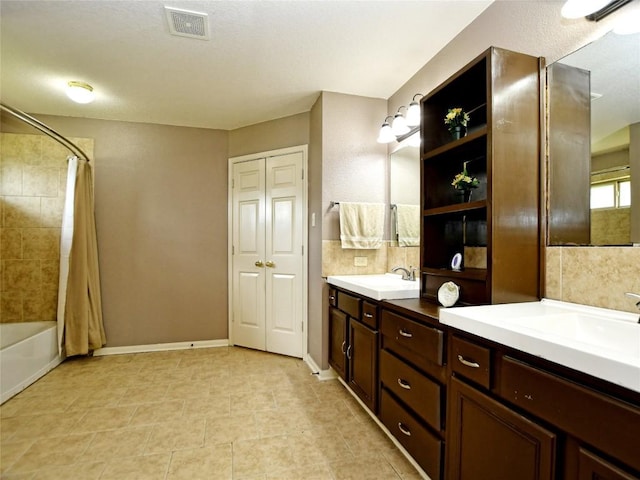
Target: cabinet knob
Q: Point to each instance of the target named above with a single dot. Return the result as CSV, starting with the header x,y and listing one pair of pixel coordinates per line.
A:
x,y
332,298
404,384
404,429
404,333
468,363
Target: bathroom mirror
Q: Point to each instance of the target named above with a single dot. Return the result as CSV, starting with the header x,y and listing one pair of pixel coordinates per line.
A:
x,y
603,207
404,189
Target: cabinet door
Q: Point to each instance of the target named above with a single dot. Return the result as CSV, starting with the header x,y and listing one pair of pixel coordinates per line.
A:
x,y
362,353
592,467
338,341
488,441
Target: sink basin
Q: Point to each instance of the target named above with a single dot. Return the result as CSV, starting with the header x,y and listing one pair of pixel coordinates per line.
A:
x,y
387,286
601,342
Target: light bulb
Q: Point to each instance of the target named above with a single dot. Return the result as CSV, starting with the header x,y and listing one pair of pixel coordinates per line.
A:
x,y
413,114
386,135
80,92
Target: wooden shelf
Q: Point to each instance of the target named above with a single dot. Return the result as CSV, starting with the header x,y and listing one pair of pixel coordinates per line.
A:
x,y
454,144
478,274
456,208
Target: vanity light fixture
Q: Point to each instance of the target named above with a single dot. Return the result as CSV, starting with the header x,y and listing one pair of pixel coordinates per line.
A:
x,y
80,92
413,112
399,125
629,22
386,134
582,8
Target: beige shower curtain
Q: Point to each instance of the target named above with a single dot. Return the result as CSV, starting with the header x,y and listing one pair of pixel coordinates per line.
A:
x,y
83,327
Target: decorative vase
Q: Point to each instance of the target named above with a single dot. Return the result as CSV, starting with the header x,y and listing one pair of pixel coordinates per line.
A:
x,y
458,132
466,195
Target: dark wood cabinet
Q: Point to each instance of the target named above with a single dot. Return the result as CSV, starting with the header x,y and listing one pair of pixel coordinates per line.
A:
x,y
592,467
353,343
497,230
362,355
488,441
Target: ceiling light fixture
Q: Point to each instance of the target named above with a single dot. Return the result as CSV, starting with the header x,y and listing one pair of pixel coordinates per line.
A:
x,y
80,92
582,8
386,134
399,125
413,112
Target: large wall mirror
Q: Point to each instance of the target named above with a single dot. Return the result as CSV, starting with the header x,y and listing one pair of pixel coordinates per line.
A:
x,y
594,144
404,194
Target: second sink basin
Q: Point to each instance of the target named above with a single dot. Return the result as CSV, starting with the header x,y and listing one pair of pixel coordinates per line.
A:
x,y
387,286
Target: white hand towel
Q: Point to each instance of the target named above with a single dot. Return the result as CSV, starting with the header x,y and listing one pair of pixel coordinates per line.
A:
x,y
361,225
408,225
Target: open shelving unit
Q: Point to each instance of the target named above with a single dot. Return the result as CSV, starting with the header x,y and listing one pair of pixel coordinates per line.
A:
x,y
497,230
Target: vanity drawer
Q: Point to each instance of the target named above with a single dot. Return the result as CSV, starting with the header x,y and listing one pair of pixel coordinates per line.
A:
x,y
349,304
471,361
422,445
413,341
416,390
604,422
370,315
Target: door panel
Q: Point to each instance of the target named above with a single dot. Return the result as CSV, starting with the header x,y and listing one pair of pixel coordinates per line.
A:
x,y
284,237
248,301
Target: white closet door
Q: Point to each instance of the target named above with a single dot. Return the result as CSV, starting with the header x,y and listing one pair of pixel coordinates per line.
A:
x,y
267,259
284,256
248,299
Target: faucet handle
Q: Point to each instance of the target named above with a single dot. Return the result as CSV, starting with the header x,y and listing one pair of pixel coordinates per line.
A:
x,y
635,296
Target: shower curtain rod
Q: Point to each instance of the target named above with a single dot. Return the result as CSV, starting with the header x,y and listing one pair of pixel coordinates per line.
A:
x,y
50,132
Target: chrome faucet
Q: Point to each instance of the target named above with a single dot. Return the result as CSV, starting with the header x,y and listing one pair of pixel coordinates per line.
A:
x,y
407,274
635,296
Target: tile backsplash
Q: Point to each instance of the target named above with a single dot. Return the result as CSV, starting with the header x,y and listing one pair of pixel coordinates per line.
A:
x,y
32,187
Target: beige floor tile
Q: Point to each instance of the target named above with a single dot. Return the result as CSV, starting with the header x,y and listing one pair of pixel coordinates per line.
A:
x,y
149,467
219,413
177,435
231,429
51,452
97,419
159,412
125,442
209,462
84,471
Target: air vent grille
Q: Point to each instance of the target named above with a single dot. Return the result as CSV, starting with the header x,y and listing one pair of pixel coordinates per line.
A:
x,y
185,23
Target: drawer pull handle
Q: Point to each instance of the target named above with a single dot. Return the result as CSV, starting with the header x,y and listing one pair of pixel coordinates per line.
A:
x,y
332,298
466,362
344,350
404,429
368,315
404,384
404,333
349,352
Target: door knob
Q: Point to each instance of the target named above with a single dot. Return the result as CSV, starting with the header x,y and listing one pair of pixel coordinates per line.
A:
x,y
259,264
270,264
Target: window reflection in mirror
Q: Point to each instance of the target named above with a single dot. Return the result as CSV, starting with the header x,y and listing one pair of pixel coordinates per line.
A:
x,y
404,194
613,66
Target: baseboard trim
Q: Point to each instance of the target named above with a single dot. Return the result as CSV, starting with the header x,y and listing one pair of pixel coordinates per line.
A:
x,y
322,375
160,347
386,431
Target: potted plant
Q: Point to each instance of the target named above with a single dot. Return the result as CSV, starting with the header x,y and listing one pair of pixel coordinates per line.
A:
x,y
464,183
456,121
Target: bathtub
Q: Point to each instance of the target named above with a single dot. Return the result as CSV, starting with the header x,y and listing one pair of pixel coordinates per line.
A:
x,y
27,351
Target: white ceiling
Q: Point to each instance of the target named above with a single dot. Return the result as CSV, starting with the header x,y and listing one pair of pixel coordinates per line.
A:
x,y
265,59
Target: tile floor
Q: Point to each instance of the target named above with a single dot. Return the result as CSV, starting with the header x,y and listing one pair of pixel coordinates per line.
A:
x,y
216,413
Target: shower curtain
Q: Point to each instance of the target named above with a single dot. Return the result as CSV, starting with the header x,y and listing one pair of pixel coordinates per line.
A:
x,y
80,326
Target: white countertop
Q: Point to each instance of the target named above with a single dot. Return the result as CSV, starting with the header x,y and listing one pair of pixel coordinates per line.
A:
x,y
600,342
386,286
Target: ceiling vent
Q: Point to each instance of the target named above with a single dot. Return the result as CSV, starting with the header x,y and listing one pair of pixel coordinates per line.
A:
x,y
185,23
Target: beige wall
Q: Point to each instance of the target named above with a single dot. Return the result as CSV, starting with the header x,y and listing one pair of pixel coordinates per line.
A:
x,y
161,197
272,135
33,178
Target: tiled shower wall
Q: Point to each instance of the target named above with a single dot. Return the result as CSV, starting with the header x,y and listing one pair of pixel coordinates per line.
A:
x,y
33,171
